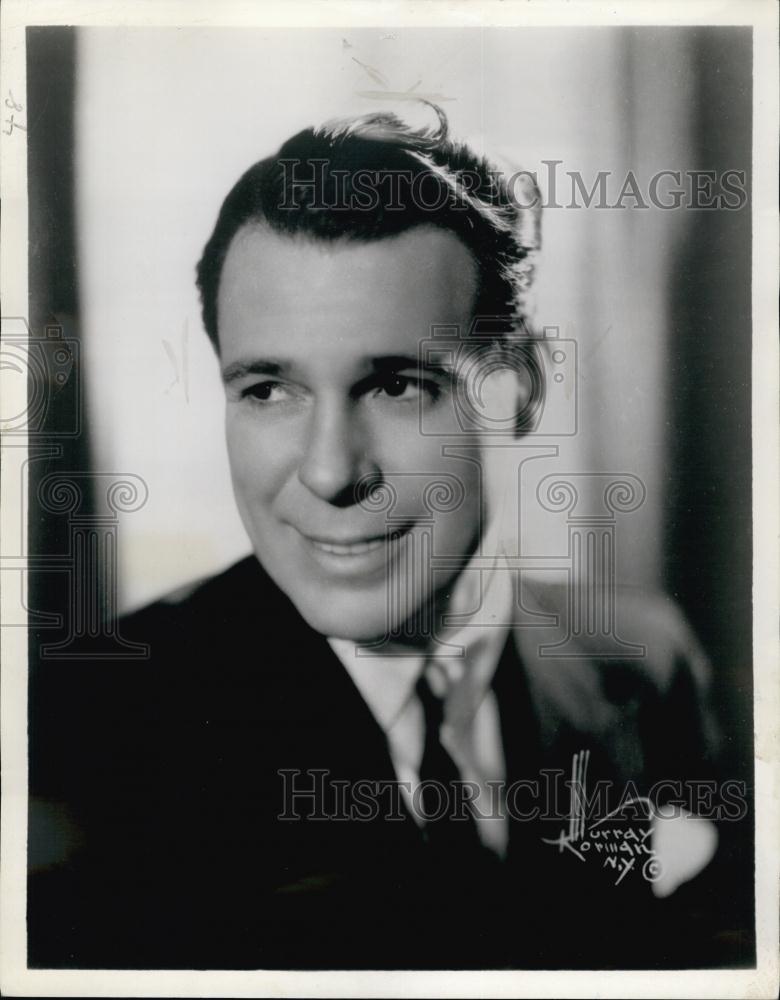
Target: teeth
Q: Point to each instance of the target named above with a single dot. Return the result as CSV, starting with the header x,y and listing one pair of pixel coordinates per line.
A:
x,y
349,550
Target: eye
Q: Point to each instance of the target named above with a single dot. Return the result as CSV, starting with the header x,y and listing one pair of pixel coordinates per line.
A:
x,y
396,386
265,392
405,387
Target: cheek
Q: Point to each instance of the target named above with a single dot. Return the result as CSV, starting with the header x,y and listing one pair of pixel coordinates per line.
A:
x,y
461,501
444,490
259,460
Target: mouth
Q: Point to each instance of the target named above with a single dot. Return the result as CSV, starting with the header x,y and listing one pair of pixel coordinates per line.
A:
x,y
357,549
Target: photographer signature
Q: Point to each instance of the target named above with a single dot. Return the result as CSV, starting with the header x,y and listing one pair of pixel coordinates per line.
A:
x,y
620,847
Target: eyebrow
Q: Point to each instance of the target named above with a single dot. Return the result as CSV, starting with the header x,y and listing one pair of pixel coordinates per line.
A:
x,y
386,364
239,369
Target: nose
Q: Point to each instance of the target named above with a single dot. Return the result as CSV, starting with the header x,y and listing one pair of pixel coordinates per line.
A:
x,y
335,460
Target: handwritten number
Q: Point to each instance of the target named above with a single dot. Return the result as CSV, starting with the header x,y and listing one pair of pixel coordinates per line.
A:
x,y
13,105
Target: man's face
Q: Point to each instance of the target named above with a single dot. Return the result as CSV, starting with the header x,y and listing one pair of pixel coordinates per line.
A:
x,y
319,350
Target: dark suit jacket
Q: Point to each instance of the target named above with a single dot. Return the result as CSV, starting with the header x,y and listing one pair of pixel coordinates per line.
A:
x,y
157,787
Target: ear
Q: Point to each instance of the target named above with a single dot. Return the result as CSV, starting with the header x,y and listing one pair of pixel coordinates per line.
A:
x,y
505,393
524,388
529,371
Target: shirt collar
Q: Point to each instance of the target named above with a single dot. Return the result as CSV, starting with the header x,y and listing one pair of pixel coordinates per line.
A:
x,y
385,682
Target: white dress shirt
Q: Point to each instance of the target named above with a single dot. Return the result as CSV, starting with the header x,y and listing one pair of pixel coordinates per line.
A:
x,y
471,730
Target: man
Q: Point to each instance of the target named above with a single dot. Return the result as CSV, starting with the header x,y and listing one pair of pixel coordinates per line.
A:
x,y
352,749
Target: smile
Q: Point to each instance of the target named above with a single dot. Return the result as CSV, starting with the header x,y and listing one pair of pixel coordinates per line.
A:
x,y
356,554
350,549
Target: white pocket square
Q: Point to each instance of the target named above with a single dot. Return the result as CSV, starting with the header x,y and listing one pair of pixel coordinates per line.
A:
x,y
685,845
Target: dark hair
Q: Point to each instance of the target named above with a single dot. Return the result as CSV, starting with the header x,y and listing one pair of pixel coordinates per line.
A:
x,y
374,176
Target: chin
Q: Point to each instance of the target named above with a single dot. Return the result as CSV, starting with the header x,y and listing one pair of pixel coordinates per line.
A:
x,y
348,618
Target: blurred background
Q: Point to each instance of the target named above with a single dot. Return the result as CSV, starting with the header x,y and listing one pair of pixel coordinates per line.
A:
x,y
135,135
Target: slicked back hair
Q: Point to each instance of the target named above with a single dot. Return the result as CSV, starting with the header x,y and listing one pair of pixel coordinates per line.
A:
x,y
374,176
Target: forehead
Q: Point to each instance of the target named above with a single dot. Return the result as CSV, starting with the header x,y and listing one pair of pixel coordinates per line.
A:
x,y
295,292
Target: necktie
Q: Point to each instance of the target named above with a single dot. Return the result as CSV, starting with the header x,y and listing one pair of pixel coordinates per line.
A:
x,y
449,822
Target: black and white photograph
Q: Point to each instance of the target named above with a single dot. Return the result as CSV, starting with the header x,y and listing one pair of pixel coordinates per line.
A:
x,y
389,554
